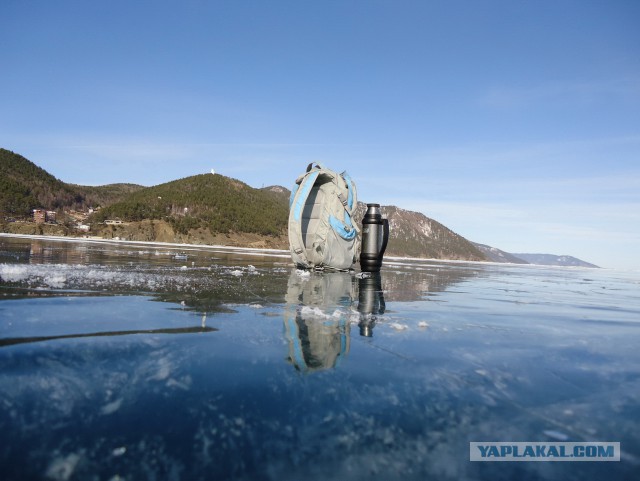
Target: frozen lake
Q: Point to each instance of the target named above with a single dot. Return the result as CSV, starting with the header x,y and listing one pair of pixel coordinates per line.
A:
x,y
131,361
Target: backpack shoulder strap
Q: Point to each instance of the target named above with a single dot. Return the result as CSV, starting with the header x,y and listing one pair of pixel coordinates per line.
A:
x,y
298,200
351,201
296,206
353,192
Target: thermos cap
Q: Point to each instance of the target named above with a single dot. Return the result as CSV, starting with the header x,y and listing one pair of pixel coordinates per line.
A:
x,y
373,214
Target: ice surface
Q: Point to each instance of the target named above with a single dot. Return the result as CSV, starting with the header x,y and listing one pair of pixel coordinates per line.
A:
x,y
124,362
64,276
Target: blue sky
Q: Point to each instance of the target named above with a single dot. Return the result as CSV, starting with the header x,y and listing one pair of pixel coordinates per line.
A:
x,y
514,123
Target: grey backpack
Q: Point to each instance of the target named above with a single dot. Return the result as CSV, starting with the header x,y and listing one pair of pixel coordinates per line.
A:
x,y
321,231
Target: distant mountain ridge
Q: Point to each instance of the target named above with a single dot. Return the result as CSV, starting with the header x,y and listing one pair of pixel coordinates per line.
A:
x,y
496,255
554,260
214,209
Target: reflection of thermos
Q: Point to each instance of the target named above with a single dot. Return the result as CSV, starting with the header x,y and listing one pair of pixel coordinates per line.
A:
x,y
375,235
370,303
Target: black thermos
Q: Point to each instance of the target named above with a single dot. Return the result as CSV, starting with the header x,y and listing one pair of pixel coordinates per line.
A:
x,y
375,235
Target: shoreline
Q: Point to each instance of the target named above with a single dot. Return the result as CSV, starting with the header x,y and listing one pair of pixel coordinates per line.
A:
x,y
391,260
397,260
169,245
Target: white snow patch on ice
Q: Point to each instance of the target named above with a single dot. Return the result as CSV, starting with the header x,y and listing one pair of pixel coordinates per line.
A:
x,y
119,451
58,276
557,435
62,468
111,407
13,272
312,312
398,327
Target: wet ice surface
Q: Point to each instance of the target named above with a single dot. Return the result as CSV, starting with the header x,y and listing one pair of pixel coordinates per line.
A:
x,y
131,362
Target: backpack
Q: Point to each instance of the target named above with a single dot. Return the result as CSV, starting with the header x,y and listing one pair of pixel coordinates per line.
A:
x,y
321,231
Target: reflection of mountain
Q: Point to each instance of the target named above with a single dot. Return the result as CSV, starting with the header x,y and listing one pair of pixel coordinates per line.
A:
x,y
418,281
316,318
207,281
220,288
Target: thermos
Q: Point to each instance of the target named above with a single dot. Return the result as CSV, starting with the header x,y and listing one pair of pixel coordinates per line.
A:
x,y
375,235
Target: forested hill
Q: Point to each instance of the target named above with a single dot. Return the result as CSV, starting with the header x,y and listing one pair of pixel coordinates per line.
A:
x,y
24,186
212,201
103,195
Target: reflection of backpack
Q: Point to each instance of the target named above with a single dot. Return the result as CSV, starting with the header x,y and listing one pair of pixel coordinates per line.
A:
x,y
316,318
321,231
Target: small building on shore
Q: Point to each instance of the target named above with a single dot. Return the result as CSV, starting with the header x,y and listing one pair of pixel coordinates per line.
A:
x,y
39,216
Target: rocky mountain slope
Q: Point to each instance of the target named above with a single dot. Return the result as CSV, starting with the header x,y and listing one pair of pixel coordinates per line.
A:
x,y
496,255
413,234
